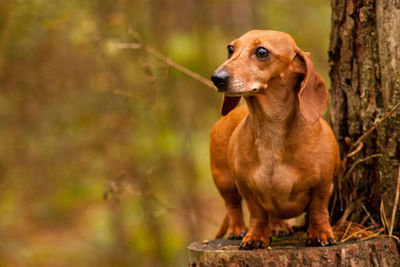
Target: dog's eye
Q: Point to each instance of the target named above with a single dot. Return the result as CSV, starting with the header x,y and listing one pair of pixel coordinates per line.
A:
x,y
230,50
262,53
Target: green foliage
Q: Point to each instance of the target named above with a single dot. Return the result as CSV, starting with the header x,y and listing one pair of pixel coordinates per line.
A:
x,y
81,117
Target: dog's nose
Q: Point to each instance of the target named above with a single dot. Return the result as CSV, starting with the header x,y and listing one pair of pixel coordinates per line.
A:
x,y
220,79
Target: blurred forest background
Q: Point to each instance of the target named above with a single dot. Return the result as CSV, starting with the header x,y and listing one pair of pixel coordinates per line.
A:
x,y
104,151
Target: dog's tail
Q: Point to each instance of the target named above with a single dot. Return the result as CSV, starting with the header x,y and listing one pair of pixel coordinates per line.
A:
x,y
223,228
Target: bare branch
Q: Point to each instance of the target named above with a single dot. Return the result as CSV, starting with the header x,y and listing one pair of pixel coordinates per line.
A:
x,y
167,60
383,216
355,151
368,214
117,189
359,232
376,125
358,162
345,232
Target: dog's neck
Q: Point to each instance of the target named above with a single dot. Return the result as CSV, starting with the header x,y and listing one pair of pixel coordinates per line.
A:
x,y
272,114
275,106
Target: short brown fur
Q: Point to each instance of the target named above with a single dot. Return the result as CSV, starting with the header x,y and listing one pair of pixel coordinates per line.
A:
x,y
276,152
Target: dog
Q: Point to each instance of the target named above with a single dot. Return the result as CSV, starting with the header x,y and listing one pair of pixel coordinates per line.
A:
x,y
276,152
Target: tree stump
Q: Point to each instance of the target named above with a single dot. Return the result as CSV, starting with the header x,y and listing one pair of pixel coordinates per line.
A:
x,y
222,252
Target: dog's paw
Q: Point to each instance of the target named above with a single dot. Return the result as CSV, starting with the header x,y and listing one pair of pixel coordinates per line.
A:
x,y
280,228
254,241
237,231
316,242
320,239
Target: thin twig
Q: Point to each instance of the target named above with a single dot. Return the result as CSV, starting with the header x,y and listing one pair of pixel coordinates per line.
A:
x,y
383,216
376,125
167,60
117,190
364,219
396,201
378,233
355,151
356,233
358,162
128,45
171,209
349,209
368,214
145,64
347,229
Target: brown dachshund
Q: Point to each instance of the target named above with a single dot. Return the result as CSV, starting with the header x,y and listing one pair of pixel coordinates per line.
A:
x,y
276,151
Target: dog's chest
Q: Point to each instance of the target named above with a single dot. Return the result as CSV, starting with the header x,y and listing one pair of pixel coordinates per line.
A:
x,y
263,170
261,165
278,190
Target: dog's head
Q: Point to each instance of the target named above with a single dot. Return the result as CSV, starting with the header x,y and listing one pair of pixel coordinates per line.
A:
x,y
257,58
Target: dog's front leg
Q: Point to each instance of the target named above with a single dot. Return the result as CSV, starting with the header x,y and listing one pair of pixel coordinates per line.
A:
x,y
319,230
259,232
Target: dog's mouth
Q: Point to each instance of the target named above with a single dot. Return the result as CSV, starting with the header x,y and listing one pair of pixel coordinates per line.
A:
x,y
241,93
242,87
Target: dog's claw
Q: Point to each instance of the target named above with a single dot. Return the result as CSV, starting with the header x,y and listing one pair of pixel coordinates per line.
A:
x,y
242,234
331,242
251,244
260,244
316,242
320,243
236,237
248,245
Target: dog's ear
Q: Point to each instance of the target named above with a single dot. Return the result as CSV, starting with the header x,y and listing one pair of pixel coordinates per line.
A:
x,y
229,103
313,95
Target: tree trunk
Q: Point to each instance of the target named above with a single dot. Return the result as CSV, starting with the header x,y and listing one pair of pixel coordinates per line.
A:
x,y
364,55
222,252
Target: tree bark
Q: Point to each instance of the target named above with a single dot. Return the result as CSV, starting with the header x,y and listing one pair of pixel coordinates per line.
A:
x,y
221,252
364,56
